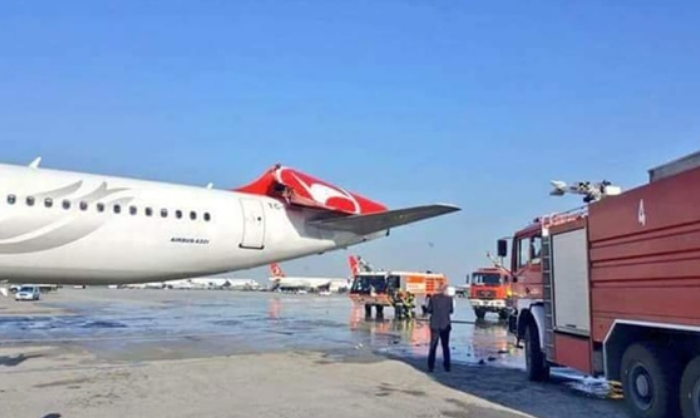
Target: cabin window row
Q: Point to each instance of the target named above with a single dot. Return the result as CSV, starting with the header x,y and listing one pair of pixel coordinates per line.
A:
x,y
116,208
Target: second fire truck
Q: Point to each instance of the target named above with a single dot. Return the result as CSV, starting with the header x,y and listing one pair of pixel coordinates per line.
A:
x,y
489,291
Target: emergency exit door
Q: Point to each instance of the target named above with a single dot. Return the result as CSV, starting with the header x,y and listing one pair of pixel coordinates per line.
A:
x,y
253,224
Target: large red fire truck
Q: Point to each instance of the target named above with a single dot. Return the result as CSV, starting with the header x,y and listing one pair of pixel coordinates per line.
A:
x,y
612,290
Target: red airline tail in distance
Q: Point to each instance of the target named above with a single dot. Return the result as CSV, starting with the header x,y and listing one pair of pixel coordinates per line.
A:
x,y
354,267
276,270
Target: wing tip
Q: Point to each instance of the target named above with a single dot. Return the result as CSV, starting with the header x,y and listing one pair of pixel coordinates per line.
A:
x,y
449,206
444,208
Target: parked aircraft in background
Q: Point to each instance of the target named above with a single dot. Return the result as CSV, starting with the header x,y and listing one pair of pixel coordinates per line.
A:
x,y
199,283
281,281
69,227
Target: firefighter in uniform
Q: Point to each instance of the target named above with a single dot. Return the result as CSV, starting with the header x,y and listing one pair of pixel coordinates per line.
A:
x,y
399,302
410,305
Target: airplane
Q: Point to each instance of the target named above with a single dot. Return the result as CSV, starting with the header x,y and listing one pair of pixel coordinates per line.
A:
x,y
77,228
332,284
212,283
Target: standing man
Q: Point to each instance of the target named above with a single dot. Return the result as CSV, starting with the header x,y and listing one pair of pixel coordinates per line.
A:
x,y
440,308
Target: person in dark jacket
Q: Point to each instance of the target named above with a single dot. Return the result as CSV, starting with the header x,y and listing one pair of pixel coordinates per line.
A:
x,y
440,309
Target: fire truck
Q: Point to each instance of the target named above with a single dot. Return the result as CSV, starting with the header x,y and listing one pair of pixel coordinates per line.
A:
x,y
612,289
489,291
375,288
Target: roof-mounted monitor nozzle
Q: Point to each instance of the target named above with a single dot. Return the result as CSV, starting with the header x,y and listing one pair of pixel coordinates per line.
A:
x,y
592,192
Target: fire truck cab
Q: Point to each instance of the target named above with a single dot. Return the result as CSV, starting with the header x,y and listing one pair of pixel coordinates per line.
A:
x,y
489,291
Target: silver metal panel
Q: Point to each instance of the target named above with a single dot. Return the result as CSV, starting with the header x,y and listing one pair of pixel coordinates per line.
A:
x,y
675,167
570,280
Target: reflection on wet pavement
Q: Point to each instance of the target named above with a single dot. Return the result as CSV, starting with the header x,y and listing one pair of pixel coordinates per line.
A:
x,y
244,322
118,325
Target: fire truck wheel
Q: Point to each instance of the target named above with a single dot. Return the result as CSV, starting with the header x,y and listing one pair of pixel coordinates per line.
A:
x,y
537,368
480,313
650,380
690,390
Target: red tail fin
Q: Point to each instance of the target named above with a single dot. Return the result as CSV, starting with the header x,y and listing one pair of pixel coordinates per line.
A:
x,y
276,270
354,266
302,189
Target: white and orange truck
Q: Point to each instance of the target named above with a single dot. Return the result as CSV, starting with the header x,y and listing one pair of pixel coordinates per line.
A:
x,y
612,289
376,288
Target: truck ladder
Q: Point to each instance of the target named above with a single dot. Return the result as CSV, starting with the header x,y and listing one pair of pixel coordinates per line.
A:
x,y
547,296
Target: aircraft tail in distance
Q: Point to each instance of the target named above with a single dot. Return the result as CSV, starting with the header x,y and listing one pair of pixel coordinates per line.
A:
x,y
354,267
276,271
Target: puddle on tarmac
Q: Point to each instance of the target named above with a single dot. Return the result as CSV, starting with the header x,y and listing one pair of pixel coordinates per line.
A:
x,y
194,323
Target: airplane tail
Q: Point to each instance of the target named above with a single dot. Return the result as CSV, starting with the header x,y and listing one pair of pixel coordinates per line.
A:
x,y
276,271
354,266
344,211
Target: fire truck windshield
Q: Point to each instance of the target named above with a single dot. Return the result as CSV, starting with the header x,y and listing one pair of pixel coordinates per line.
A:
x,y
493,279
362,283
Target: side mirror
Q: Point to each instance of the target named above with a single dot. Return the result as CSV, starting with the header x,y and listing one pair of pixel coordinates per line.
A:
x,y
502,248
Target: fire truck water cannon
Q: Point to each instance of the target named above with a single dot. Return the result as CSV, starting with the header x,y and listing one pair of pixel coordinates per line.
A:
x,y
592,192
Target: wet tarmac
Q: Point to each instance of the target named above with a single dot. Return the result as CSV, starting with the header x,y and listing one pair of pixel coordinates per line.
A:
x,y
139,325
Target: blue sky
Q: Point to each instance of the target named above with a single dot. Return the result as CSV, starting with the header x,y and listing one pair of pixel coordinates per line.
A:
x,y
478,104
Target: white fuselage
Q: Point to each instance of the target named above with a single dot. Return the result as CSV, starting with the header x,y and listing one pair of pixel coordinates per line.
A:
x,y
62,227
334,283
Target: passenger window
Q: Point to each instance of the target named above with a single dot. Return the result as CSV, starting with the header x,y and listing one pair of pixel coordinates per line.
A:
x,y
66,204
117,209
48,202
100,207
11,199
163,213
207,217
149,211
30,201
178,214
83,205
133,210
193,215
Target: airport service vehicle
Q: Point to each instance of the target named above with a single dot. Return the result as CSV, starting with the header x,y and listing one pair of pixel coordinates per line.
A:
x,y
27,293
375,289
462,291
612,288
68,227
489,291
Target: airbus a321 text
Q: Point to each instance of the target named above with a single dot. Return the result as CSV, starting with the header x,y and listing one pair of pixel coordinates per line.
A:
x,y
66,227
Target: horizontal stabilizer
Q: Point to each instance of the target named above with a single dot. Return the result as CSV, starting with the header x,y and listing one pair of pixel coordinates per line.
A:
x,y
375,222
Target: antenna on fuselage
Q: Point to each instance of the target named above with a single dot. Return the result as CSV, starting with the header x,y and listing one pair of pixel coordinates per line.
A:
x,y
35,163
592,192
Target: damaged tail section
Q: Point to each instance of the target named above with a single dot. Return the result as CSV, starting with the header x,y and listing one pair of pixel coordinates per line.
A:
x,y
344,211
